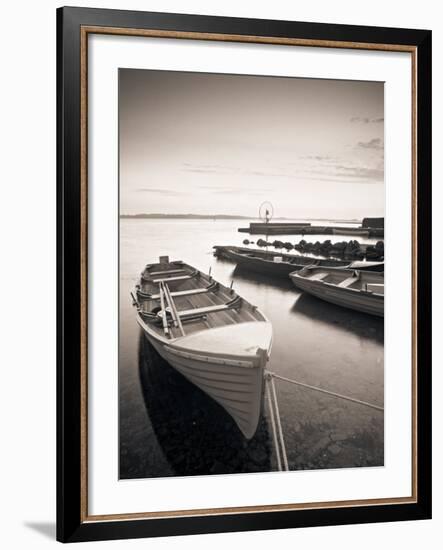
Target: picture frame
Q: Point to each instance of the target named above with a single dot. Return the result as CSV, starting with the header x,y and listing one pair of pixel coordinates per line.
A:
x,y
74,213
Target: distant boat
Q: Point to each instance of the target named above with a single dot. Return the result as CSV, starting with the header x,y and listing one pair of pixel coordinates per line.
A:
x,y
352,231
281,265
358,290
208,333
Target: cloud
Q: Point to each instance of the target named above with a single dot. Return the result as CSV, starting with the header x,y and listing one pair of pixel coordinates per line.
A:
x,y
232,171
264,173
364,172
218,189
360,174
321,167
317,157
208,169
375,143
337,170
367,120
230,189
203,170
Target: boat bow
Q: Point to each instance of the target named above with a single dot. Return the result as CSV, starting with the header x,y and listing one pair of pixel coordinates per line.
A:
x,y
241,341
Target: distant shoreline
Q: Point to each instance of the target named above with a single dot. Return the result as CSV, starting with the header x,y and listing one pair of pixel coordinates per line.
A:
x,y
186,217
219,217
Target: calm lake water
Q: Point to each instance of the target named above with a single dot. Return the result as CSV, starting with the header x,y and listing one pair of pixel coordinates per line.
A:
x,y
169,427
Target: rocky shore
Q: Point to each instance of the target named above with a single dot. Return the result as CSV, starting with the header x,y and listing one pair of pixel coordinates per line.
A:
x,y
344,249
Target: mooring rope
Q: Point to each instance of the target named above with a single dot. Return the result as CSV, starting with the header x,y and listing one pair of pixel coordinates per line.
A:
x,y
327,392
280,431
277,431
274,430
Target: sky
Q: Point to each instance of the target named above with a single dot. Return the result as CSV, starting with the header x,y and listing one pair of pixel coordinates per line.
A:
x,y
222,144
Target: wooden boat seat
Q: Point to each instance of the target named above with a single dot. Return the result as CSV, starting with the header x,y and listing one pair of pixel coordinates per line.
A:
x,y
178,278
167,272
232,304
348,282
318,276
186,292
158,320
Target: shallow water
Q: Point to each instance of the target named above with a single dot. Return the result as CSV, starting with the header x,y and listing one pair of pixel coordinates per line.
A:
x,y
169,427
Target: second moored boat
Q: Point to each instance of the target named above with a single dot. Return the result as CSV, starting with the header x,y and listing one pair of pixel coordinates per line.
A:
x,y
359,290
281,265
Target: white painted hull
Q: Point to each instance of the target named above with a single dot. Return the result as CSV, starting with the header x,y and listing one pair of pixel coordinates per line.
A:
x,y
357,300
235,382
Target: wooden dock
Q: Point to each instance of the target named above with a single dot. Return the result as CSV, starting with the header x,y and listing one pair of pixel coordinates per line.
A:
x,y
222,251
306,229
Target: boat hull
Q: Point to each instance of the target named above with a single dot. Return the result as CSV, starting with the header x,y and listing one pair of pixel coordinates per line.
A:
x,y
238,389
262,264
364,302
268,267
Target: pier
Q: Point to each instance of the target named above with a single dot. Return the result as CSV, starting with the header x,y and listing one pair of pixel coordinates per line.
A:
x,y
370,227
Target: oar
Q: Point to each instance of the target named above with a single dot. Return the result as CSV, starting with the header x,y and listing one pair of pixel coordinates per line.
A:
x,y
171,304
163,310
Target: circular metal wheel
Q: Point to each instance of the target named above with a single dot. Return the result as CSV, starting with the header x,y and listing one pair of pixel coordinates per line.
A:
x,y
266,211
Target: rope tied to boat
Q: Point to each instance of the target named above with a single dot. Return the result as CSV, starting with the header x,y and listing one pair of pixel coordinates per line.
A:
x,y
327,392
277,432
274,412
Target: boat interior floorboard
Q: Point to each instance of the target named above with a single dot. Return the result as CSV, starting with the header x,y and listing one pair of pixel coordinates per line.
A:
x,y
218,295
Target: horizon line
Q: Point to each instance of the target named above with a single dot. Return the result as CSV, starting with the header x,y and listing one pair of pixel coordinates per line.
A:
x,y
231,216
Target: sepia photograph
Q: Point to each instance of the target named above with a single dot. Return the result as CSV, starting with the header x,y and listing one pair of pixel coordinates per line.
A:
x,y
251,274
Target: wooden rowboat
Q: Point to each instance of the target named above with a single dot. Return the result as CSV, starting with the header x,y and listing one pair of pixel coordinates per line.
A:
x,y
354,289
208,333
281,265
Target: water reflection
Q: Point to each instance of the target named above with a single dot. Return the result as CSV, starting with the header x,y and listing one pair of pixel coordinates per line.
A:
x,y
261,279
360,324
195,434
357,323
